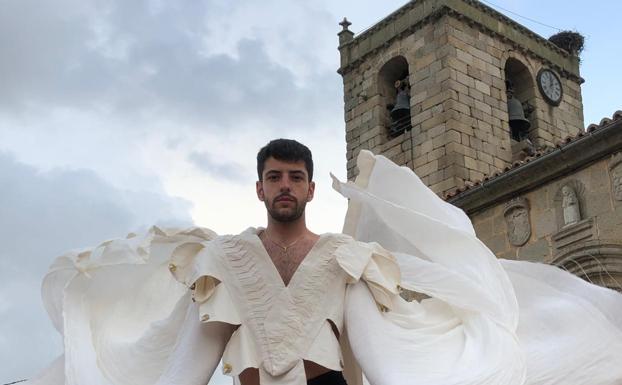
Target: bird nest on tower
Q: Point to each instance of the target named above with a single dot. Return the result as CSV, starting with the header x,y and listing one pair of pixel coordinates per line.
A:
x,y
570,41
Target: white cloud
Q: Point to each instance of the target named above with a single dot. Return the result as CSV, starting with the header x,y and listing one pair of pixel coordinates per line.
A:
x,y
141,61
284,27
44,215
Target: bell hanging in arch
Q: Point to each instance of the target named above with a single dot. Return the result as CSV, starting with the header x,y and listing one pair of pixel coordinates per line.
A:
x,y
519,124
400,113
402,105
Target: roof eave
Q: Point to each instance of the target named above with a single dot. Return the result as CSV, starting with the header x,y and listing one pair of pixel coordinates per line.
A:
x,y
560,162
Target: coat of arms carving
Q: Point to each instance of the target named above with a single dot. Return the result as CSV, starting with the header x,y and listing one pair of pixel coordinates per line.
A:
x,y
516,214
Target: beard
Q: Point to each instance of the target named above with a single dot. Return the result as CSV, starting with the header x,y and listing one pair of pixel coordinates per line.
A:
x,y
285,216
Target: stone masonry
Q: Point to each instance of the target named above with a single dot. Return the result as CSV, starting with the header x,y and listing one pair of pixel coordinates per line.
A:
x,y
456,53
590,246
554,196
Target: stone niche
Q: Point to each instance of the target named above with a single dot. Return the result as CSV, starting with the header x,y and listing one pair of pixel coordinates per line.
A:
x,y
615,172
519,79
569,203
391,74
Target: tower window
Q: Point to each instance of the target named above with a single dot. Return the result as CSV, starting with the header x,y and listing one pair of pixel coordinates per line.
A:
x,y
520,92
394,87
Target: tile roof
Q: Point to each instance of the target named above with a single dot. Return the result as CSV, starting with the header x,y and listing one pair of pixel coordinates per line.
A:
x,y
605,122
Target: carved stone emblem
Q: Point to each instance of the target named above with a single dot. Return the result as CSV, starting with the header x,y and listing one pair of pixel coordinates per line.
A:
x,y
516,214
615,170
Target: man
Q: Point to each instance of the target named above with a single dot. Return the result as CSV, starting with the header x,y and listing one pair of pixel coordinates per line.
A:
x,y
270,300
285,306
285,185
285,172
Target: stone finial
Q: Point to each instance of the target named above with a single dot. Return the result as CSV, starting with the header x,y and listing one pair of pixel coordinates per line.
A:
x,y
345,35
345,24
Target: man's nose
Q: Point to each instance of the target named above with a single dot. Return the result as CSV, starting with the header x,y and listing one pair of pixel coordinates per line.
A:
x,y
285,184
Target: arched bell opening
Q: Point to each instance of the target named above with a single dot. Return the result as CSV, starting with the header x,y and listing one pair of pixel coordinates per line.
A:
x,y
520,92
394,88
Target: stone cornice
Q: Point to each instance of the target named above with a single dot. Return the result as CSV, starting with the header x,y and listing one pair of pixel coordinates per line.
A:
x,y
561,161
414,14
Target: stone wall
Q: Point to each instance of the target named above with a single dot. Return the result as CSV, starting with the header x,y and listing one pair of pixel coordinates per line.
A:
x,y
477,71
562,204
596,236
459,117
365,106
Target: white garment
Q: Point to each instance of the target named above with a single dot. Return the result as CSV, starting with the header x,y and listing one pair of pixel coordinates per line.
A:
x,y
489,321
121,312
126,320
236,282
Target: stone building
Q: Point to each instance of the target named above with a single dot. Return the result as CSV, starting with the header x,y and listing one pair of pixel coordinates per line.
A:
x,y
490,116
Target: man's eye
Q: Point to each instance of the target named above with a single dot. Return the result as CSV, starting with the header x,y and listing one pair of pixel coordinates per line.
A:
x,y
273,178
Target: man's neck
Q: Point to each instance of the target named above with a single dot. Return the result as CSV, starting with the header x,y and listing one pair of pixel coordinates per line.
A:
x,y
286,232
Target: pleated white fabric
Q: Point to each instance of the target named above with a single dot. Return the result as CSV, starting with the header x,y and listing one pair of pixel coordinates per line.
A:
x,y
126,320
488,321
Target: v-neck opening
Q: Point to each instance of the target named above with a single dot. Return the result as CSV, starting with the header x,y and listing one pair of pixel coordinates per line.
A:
x,y
274,268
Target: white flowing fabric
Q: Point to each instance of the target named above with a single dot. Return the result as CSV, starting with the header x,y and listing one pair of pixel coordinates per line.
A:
x,y
488,321
126,320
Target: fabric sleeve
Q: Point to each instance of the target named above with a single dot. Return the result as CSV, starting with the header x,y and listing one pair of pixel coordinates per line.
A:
x,y
373,264
197,352
466,333
198,266
122,313
487,322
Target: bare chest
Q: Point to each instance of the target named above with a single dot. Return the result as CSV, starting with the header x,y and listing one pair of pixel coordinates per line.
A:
x,y
287,260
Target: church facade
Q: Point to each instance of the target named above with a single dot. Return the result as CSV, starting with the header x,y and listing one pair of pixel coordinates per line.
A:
x,y
490,116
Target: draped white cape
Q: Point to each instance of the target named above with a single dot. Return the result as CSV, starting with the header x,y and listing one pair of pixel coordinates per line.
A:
x,y
126,321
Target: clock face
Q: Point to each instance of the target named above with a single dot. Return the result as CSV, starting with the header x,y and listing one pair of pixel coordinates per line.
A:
x,y
550,86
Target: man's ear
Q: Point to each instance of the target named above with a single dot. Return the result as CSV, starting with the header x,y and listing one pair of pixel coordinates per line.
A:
x,y
259,189
311,191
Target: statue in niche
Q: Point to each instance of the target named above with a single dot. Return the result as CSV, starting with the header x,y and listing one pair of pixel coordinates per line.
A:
x,y
570,206
516,214
568,203
615,168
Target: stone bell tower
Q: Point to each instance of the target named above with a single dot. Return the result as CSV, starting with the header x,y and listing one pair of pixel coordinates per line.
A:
x,y
429,87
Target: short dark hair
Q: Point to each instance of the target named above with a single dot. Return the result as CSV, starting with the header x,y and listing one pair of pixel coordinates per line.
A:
x,y
286,150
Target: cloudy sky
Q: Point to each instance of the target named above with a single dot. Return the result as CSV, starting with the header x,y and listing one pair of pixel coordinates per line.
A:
x,y
115,115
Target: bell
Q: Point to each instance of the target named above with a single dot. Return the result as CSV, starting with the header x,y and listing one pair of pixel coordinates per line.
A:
x,y
402,105
400,113
519,125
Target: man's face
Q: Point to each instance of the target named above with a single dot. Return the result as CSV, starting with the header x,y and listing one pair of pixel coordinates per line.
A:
x,y
285,189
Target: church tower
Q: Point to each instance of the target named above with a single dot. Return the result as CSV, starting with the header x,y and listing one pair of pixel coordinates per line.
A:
x,y
455,91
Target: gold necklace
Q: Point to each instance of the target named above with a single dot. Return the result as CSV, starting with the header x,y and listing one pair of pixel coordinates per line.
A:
x,y
284,248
